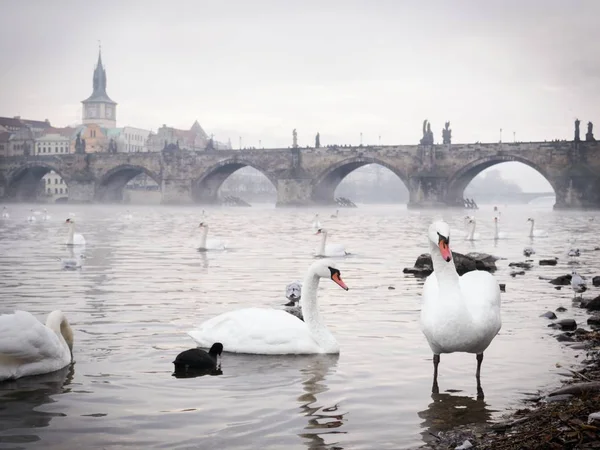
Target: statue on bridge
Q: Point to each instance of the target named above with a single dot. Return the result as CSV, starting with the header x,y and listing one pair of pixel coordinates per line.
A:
x,y
318,140
589,136
427,133
294,139
577,138
112,146
447,133
79,144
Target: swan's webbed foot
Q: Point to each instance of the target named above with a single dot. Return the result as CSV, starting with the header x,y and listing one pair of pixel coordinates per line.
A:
x,y
435,388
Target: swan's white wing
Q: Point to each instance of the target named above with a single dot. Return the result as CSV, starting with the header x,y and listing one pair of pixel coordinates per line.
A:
x,y
28,347
257,331
214,244
335,250
78,239
481,294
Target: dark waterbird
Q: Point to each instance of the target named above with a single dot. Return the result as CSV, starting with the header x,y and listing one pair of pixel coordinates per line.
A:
x,y
196,362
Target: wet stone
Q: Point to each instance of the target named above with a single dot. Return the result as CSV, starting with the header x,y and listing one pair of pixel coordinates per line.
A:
x,y
558,398
521,265
563,280
548,262
594,321
514,273
561,309
549,315
564,324
502,287
591,305
596,281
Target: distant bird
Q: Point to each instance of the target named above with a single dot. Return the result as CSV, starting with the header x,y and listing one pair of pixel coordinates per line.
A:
x,y
293,292
74,238
335,216
46,216
573,252
528,251
536,233
128,216
5,214
197,359
578,284
316,223
31,217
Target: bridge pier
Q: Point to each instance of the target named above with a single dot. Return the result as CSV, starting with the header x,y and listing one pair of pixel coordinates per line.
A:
x,y
427,193
581,192
176,192
81,191
294,192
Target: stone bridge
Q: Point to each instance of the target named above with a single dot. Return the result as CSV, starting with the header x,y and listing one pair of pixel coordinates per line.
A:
x,y
435,175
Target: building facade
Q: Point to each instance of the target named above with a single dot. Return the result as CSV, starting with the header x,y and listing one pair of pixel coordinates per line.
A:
x,y
53,187
194,139
52,144
98,108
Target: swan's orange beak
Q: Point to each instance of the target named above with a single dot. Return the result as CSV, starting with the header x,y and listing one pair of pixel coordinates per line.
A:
x,y
336,277
445,249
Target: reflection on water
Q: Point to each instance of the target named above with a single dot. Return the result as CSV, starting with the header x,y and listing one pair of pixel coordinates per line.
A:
x,y
19,400
143,285
450,410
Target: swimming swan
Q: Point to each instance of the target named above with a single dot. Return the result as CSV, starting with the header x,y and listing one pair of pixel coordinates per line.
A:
x,y
208,244
498,234
28,347
458,313
536,233
274,331
471,222
329,249
74,238
31,217
5,214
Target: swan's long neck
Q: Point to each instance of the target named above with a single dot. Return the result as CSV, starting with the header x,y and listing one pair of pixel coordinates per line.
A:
x,y
203,234
531,229
445,272
472,233
323,241
58,323
71,233
310,310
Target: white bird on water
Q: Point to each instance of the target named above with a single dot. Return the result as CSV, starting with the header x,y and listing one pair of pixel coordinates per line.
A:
x,y
5,214
46,216
31,217
28,347
536,233
73,238
208,244
274,331
498,234
316,223
329,249
578,284
471,223
458,313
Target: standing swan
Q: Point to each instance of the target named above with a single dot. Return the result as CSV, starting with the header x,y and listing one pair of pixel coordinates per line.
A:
x,y
28,347
458,314
74,238
210,244
536,233
274,331
5,214
329,249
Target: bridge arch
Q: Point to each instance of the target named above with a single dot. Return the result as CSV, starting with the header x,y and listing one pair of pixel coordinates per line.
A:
x,y
462,177
205,189
111,184
325,184
24,182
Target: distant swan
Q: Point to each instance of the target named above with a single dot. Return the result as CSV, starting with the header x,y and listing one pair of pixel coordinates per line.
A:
x,y
536,233
31,217
335,216
471,223
28,347
274,331
329,249
316,223
498,234
128,216
74,238
46,216
208,244
458,313
5,214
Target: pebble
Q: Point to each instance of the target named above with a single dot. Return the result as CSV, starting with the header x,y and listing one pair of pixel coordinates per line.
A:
x,y
502,287
594,320
548,262
549,315
564,324
561,309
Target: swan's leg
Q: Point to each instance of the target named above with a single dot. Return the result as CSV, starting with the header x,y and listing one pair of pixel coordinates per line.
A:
x,y
478,377
436,360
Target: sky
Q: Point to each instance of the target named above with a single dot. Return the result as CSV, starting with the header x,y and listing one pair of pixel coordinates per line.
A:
x,y
258,69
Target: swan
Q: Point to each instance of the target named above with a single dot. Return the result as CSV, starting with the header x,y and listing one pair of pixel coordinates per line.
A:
x,y
74,238
72,262
28,347
536,233
578,284
208,244
316,223
498,234
46,216
335,216
329,249
31,217
197,359
458,313
293,292
472,222
128,216
274,331
5,214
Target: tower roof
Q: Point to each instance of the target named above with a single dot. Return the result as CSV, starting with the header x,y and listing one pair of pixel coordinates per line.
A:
x,y
99,94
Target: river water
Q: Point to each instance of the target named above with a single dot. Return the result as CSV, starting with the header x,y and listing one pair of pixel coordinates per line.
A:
x,y
143,285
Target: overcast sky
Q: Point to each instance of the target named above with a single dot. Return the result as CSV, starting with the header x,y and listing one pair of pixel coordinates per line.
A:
x,y
257,69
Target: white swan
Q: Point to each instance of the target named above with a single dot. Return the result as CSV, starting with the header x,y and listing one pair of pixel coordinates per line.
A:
x,y
536,233
128,216
578,284
31,217
329,249
5,214
46,216
208,244
498,234
471,222
458,313
274,331
335,216
316,223
28,347
74,238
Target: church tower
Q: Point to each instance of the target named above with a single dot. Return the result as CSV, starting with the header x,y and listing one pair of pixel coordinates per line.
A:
x,y
99,108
